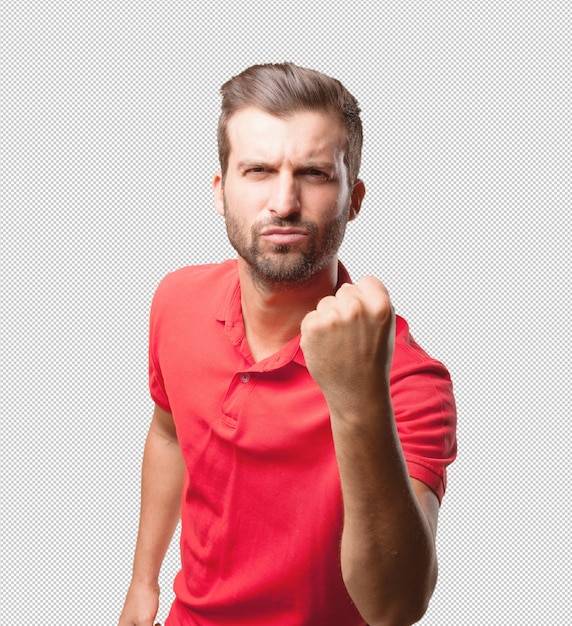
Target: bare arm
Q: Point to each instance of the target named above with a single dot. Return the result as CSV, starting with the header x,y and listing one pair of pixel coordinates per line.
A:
x,y
161,486
388,553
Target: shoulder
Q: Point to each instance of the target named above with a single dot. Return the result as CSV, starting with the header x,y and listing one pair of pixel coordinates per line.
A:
x,y
193,289
196,281
192,277
409,357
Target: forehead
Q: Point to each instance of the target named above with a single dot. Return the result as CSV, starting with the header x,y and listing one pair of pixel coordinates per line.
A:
x,y
303,134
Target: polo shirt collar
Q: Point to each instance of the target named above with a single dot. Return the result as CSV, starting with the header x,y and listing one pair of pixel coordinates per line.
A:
x,y
229,312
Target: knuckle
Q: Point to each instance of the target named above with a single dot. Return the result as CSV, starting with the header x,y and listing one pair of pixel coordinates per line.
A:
x,y
326,303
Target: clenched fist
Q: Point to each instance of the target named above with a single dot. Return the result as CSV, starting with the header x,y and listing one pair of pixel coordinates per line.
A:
x,y
348,342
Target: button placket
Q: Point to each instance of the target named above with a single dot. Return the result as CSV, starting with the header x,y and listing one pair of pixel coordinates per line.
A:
x,y
241,386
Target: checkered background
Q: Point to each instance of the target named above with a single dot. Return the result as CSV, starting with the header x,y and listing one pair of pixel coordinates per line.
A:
x,y
108,152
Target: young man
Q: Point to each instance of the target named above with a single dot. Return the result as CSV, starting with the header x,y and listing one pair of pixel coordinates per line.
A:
x,y
299,432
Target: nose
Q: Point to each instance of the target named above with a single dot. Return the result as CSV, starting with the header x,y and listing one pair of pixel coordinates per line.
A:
x,y
284,197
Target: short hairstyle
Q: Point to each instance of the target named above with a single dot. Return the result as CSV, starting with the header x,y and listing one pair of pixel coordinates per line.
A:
x,y
282,89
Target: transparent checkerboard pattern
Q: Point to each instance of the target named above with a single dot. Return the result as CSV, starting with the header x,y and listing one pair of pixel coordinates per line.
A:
x,y
109,154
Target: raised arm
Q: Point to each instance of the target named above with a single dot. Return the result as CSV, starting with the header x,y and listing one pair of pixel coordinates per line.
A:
x,y
161,486
388,555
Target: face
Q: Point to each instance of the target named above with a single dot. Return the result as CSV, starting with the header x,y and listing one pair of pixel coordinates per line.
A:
x,y
285,197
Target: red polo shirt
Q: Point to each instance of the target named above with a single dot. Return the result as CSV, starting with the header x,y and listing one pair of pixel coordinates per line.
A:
x,y
262,510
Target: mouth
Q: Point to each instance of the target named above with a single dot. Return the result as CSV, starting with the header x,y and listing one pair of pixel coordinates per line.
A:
x,y
284,236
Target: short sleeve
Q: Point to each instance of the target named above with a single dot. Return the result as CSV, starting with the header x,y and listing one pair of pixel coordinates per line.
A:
x,y
156,383
425,411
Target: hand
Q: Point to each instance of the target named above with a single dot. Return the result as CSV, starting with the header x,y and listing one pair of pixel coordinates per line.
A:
x,y
141,605
348,343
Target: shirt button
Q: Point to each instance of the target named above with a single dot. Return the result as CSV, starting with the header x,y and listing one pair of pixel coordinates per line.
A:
x,y
245,378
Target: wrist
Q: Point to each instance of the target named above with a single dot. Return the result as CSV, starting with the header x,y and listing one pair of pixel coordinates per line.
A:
x,y
360,409
146,580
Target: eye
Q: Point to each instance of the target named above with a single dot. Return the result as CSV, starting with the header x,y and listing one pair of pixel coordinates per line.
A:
x,y
317,174
255,172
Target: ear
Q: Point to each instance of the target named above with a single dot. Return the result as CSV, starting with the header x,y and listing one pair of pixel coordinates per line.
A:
x,y
218,193
358,192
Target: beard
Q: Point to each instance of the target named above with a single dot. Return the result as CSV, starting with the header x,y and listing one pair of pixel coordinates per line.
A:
x,y
286,265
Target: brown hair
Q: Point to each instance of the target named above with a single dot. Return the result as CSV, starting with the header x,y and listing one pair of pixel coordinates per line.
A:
x,y
285,88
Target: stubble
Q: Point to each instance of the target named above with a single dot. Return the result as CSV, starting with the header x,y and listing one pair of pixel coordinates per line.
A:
x,y
286,266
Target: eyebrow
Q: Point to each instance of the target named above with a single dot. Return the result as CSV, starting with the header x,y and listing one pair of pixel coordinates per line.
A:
x,y
319,165
252,162
310,164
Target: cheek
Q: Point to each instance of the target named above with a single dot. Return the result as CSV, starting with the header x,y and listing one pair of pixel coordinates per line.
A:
x,y
246,199
326,203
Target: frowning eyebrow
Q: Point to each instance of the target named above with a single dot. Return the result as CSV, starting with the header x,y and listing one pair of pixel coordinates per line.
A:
x,y
252,163
305,165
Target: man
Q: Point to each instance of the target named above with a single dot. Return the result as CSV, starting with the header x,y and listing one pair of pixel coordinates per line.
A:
x,y
299,432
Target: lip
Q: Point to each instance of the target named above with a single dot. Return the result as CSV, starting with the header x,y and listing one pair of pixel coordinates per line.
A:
x,y
284,236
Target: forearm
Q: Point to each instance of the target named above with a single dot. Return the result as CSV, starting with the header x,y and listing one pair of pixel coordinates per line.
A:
x,y
161,485
388,555
388,550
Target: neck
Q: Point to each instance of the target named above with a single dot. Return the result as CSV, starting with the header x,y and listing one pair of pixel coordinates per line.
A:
x,y
273,313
